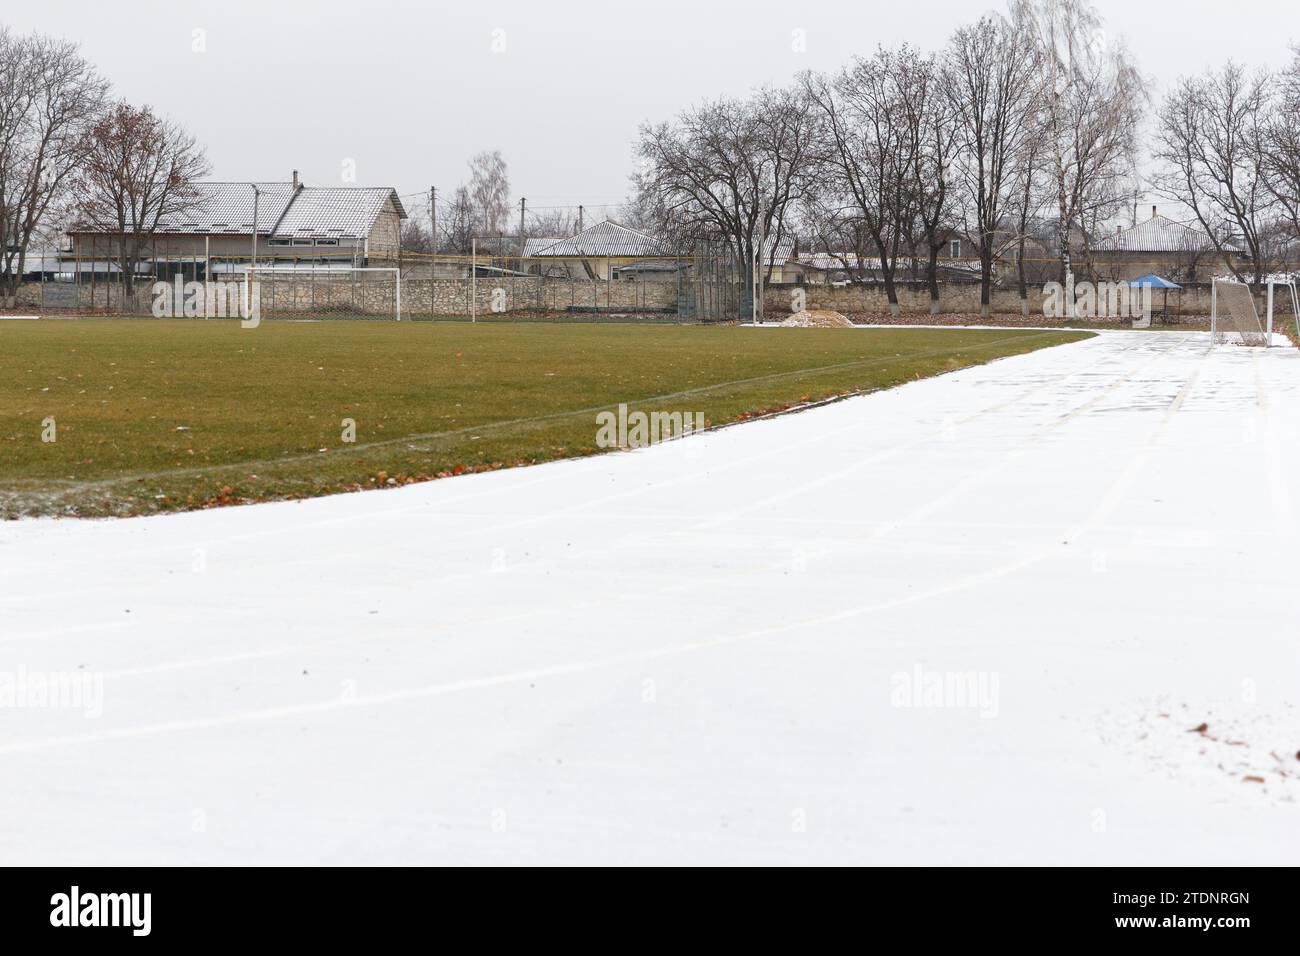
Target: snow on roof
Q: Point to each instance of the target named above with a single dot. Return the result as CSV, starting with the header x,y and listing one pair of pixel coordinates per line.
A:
x,y
1160,234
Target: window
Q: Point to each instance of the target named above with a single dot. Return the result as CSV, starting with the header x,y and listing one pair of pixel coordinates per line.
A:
x,y
327,242
302,242
279,242
954,249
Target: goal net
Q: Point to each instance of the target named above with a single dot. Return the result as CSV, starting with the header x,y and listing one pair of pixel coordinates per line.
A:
x,y
329,292
1234,320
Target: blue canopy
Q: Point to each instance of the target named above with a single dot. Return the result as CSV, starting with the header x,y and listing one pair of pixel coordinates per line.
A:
x,y
1155,282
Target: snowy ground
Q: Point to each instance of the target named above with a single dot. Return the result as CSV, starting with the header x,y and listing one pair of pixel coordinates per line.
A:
x,y
749,646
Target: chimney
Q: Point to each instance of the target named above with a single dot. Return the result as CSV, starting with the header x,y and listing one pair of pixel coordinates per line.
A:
x,y
1118,230
295,180
1153,212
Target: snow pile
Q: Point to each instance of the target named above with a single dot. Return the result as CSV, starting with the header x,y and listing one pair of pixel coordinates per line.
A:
x,y
817,319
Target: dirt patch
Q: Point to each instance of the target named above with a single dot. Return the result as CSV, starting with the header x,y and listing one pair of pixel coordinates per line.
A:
x,y
817,319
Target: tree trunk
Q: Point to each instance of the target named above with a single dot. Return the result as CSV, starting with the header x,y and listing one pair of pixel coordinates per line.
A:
x,y
932,278
986,279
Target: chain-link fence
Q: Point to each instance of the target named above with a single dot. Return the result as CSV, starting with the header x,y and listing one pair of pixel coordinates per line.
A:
x,y
702,287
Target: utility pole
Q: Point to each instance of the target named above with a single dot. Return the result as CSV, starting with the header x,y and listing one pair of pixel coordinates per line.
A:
x,y
433,241
523,207
433,224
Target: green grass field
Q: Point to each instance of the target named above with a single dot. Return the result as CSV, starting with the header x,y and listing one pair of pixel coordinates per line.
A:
x,y
156,415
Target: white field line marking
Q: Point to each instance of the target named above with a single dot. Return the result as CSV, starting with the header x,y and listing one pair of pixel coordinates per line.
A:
x,y
64,631
166,666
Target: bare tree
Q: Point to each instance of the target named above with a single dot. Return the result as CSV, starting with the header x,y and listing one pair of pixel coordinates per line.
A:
x,y
416,236
990,72
934,201
1089,102
557,222
457,225
138,169
869,146
731,170
1029,202
489,189
49,96
1210,141
1282,147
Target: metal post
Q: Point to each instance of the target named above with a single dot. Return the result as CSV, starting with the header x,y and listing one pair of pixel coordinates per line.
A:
x,y
1214,309
1269,329
257,195
433,241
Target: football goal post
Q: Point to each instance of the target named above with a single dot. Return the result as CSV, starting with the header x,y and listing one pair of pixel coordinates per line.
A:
x,y
327,292
1284,291
1234,320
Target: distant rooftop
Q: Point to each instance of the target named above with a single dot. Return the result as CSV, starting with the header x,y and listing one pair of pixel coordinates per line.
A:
x,y
606,238
309,212
1160,234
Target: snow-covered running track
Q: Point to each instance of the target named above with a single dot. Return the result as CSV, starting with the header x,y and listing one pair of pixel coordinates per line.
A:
x,y
748,646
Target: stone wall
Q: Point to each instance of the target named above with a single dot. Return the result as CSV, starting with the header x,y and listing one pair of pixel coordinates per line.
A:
x,y
373,295
964,297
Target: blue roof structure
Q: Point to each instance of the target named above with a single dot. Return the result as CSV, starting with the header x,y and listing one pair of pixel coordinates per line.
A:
x,y
1154,281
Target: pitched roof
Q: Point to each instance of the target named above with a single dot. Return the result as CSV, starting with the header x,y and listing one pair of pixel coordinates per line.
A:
x,y
314,211
336,211
534,246
228,208
1160,234
606,238
834,262
781,253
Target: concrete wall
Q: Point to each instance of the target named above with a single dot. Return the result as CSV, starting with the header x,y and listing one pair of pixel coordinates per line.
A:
x,y
386,235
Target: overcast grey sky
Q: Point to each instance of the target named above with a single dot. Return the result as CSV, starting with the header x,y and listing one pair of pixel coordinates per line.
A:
x,y
410,90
